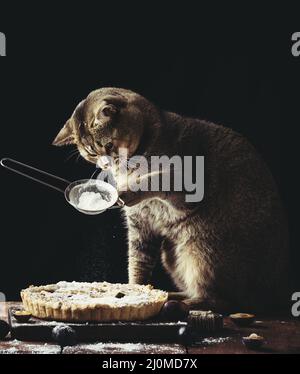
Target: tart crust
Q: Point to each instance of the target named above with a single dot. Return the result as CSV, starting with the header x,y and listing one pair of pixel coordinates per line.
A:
x,y
95,302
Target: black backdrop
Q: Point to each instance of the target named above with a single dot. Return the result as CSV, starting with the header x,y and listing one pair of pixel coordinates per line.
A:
x,y
237,71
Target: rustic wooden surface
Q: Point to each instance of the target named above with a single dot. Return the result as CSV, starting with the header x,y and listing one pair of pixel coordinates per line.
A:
x,y
282,336
147,331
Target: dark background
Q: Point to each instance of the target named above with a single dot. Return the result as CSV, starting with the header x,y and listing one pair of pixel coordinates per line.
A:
x,y
232,68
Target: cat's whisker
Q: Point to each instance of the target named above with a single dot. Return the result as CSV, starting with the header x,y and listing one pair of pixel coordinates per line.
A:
x,y
73,153
74,150
77,158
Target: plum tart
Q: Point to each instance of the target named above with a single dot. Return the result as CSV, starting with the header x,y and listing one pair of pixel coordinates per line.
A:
x,y
97,301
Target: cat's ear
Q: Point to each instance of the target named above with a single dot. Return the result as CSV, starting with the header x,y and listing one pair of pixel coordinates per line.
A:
x,y
65,136
112,105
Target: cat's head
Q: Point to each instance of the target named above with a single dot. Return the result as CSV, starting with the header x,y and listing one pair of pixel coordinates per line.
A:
x,y
108,119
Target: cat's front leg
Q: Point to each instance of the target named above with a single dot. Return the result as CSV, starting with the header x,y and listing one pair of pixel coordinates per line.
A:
x,y
133,194
142,256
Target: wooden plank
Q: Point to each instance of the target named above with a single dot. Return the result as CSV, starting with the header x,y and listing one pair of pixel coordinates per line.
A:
x,y
145,331
125,348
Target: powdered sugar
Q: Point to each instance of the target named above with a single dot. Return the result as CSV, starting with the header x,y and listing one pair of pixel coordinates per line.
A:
x,y
211,340
92,201
110,300
110,348
18,347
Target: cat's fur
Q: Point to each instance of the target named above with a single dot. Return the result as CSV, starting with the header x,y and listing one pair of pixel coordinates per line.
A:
x,y
231,249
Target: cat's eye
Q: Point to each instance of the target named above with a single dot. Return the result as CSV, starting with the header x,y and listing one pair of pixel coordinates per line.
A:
x,y
109,146
109,110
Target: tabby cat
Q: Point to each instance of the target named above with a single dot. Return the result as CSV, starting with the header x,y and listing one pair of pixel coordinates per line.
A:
x,y
228,251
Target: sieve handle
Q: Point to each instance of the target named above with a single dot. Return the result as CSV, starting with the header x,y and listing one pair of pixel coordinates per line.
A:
x,y
119,204
6,161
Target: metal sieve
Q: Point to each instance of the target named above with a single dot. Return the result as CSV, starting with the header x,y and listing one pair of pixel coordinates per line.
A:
x,y
74,189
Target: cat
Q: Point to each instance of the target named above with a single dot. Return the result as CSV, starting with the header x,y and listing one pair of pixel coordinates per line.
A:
x,y
230,250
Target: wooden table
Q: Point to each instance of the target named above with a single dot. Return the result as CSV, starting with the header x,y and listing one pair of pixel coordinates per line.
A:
x,y
282,336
